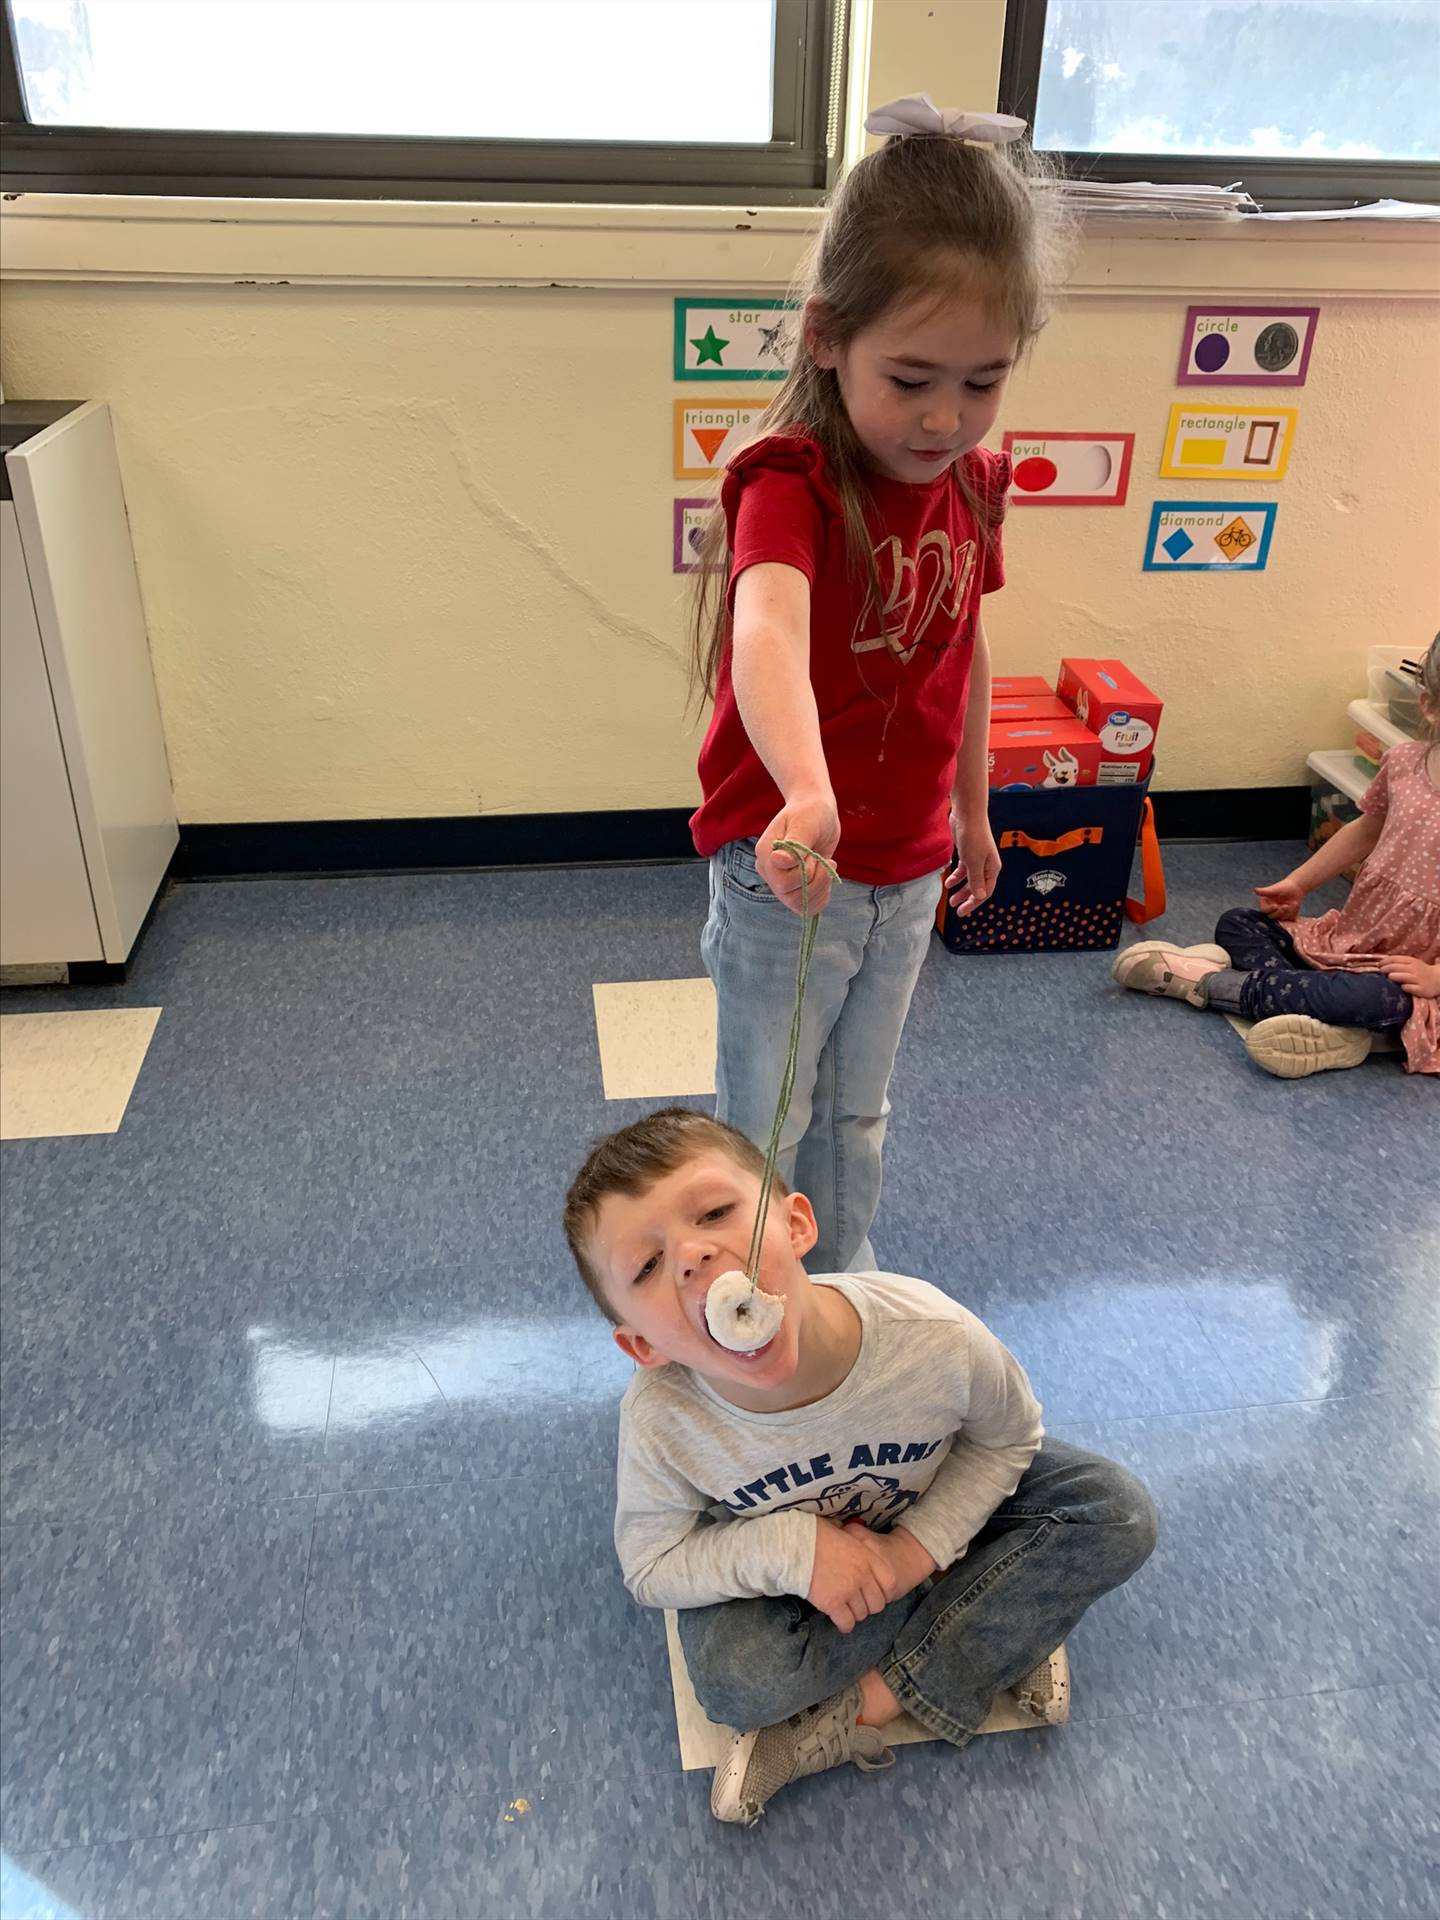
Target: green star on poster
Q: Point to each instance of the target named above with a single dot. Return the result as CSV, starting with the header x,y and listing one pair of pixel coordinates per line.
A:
x,y
708,347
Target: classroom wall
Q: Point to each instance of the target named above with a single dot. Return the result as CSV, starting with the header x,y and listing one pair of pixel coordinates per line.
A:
x,y
405,549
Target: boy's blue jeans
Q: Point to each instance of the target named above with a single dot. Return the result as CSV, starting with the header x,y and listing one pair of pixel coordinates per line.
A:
x,y
1076,1527
867,957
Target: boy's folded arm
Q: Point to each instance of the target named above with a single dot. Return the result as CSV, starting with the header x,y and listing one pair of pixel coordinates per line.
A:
x,y
740,1560
671,1557
998,1438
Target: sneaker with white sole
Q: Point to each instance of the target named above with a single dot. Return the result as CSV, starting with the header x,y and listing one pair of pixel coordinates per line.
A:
x,y
1158,966
1294,1045
1044,1694
759,1764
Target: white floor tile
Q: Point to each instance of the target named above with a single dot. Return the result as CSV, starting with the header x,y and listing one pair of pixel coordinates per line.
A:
x,y
703,1744
70,1073
657,1038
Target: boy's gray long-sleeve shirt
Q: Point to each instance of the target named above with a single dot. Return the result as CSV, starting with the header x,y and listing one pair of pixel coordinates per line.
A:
x,y
933,1427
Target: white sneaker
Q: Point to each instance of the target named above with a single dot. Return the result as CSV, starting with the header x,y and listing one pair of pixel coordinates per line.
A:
x,y
1159,966
1044,1694
1294,1045
759,1764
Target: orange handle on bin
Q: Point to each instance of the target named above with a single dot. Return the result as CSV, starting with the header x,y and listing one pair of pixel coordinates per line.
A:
x,y
1151,903
1049,849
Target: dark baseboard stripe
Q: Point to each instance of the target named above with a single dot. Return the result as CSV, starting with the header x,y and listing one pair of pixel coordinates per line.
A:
x,y
252,848
450,841
1233,813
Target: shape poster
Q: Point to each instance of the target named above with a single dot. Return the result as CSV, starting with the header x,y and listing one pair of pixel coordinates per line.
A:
x,y
1247,346
731,339
1069,469
1209,536
1227,443
690,519
707,432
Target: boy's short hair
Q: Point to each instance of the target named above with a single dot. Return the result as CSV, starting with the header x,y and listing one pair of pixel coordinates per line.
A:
x,y
632,1159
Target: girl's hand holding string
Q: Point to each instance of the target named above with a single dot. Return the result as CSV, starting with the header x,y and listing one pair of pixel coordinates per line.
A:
x,y
813,820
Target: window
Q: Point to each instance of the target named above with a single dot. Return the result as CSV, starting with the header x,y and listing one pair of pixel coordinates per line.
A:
x,y
1304,102
424,99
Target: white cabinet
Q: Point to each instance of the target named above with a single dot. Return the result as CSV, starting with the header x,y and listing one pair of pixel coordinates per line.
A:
x,y
87,820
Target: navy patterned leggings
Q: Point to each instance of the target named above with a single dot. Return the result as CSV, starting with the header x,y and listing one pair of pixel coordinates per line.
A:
x,y
1276,980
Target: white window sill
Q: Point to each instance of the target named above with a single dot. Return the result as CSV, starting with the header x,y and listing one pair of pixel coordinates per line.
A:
x,y
457,244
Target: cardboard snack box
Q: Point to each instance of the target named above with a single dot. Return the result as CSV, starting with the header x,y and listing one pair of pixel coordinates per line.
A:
x,y
1043,753
1119,709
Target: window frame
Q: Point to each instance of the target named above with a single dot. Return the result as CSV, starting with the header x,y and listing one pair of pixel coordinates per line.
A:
x,y
795,168
1282,184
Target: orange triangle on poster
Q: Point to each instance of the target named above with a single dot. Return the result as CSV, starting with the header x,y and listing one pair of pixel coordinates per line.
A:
x,y
709,440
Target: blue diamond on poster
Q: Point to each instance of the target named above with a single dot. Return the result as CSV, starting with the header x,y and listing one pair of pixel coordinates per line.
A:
x,y
1178,545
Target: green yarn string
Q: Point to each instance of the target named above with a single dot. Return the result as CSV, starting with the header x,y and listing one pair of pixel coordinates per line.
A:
x,y
787,1079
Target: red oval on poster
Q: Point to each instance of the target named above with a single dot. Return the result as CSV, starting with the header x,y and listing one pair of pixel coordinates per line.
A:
x,y
1035,474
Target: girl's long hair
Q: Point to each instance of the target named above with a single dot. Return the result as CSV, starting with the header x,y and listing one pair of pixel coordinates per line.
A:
x,y
926,217
1430,687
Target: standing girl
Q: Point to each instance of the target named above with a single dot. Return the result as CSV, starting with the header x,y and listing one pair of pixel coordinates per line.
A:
x,y
845,652
1321,990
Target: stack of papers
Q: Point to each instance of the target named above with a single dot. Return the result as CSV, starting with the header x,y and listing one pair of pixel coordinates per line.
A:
x,y
1143,200
1375,210
1140,199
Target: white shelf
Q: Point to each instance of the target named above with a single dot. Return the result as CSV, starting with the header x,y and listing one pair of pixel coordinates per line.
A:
x,y
1375,720
1337,768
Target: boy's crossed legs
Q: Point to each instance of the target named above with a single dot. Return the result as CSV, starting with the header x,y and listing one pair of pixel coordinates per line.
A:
x,y
1076,1527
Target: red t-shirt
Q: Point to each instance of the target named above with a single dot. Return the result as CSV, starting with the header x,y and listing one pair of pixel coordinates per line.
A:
x,y
890,685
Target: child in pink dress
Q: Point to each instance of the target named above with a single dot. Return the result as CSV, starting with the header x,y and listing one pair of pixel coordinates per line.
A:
x,y
1321,989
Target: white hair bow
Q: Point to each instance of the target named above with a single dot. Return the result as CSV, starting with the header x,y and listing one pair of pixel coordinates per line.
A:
x,y
917,113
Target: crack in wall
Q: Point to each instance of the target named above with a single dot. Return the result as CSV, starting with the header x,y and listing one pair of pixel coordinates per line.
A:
x,y
499,515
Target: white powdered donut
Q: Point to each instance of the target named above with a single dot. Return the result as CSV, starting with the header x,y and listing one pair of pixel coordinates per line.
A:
x,y
740,1319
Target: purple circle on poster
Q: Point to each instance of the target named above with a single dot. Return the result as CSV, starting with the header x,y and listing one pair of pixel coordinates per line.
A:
x,y
1212,352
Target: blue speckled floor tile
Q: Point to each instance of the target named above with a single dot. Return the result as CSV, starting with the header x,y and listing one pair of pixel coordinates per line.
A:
x,y
1097,1351
1326,1808
148,1665
239,1873
114,1409
322,1256
1001,1830
1292,1556
621,1850
489,1397
1292,1316
446,1625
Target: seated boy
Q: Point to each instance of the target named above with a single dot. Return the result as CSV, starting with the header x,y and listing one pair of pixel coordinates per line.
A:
x,y
860,1519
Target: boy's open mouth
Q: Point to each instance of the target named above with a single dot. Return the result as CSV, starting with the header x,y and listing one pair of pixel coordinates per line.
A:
x,y
755,1353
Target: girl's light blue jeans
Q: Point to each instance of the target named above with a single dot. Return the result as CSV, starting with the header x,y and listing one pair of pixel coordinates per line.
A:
x,y
868,954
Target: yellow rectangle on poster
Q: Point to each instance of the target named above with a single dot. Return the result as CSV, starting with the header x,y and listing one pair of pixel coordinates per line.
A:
x,y
1255,445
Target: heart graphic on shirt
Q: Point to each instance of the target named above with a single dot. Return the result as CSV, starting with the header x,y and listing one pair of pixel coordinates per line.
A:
x,y
918,590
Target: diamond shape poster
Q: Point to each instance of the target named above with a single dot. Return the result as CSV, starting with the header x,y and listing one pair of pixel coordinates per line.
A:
x,y
732,339
1209,536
